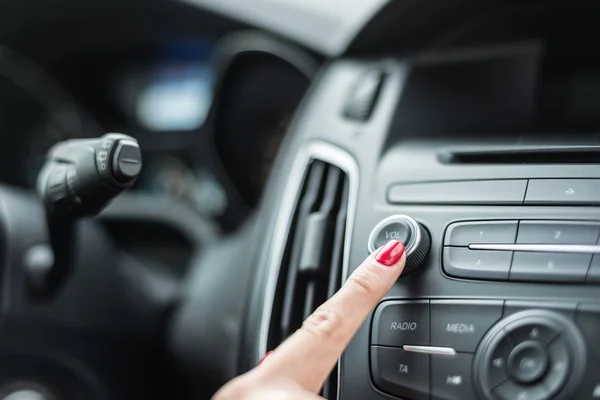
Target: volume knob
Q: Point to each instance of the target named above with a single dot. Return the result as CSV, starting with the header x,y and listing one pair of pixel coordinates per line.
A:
x,y
400,227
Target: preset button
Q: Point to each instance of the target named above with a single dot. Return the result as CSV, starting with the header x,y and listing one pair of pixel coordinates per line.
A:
x,y
397,323
464,263
466,233
461,324
557,232
550,267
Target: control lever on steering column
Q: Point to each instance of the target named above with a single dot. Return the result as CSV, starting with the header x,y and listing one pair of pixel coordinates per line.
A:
x,y
80,177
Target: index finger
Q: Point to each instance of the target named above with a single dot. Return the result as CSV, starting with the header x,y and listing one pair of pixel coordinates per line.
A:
x,y
310,354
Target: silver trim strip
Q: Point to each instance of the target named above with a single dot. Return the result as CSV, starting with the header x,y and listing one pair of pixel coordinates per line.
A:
x,y
539,248
411,246
440,351
320,151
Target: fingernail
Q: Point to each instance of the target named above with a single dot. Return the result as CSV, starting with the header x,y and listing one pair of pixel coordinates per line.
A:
x,y
391,253
265,357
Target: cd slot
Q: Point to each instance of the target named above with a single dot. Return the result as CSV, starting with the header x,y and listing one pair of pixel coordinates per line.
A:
x,y
523,155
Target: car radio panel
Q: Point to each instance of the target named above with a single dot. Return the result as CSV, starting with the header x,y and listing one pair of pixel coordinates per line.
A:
x,y
499,347
483,349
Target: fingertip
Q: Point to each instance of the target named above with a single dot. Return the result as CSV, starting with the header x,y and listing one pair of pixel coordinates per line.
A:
x,y
391,254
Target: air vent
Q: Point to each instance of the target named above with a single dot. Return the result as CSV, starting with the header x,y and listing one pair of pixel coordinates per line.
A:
x,y
311,269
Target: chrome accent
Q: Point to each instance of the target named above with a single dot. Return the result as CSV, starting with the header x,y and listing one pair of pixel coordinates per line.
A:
x,y
539,248
312,151
439,351
411,246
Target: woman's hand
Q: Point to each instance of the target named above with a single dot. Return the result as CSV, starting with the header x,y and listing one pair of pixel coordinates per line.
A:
x,y
298,368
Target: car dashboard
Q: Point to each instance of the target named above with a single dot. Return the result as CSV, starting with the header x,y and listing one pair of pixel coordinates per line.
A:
x,y
276,158
478,151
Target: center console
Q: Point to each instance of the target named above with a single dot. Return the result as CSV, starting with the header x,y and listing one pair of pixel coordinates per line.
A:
x,y
504,306
532,336
485,162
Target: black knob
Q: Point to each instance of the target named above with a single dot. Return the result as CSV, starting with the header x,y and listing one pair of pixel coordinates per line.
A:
x,y
415,237
81,176
535,354
127,161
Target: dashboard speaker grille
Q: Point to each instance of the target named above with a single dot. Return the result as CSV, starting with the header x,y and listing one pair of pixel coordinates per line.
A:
x,y
311,270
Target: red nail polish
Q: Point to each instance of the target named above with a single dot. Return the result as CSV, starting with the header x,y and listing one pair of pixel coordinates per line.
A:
x,y
265,357
391,253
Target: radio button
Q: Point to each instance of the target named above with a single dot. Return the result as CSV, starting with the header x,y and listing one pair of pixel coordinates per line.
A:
x,y
464,263
466,233
556,232
399,323
550,267
461,324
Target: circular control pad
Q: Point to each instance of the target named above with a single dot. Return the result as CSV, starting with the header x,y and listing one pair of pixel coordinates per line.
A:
x,y
530,355
415,237
528,362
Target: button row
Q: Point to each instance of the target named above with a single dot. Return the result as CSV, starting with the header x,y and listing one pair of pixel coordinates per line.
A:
x,y
537,266
443,323
407,375
460,324
521,266
504,192
463,234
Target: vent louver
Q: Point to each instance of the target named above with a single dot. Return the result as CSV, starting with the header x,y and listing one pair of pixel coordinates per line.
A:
x,y
311,270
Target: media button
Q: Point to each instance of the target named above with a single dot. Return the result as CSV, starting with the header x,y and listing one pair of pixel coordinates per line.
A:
x,y
461,324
